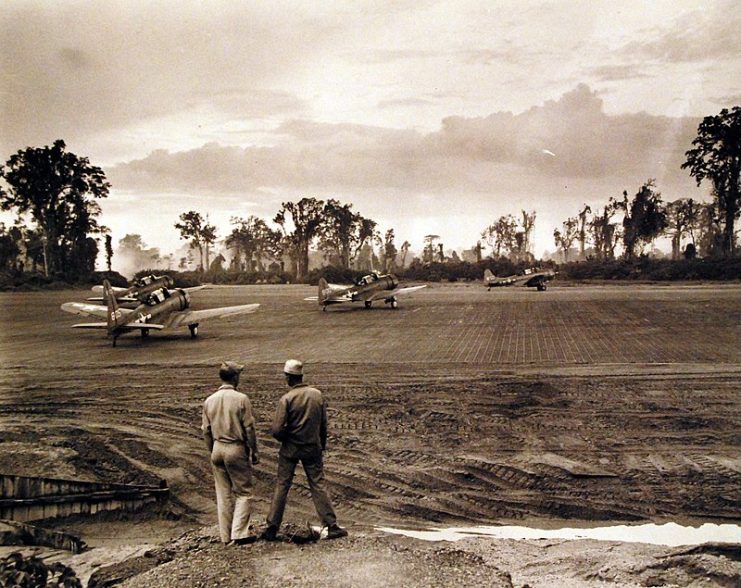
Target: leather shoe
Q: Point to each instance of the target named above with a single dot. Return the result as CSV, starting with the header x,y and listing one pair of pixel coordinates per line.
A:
x,y
336,532
269,534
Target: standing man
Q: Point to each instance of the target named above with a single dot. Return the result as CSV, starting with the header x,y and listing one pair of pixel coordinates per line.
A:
x,y
229,431
300,424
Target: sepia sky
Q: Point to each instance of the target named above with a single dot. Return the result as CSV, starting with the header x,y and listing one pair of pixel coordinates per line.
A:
x,y
431,117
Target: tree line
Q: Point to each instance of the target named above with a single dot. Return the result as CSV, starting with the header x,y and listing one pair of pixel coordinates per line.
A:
x,y
715,159
342,235
59,191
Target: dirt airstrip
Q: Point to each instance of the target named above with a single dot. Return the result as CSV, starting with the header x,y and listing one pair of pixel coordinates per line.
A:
x,y
461,407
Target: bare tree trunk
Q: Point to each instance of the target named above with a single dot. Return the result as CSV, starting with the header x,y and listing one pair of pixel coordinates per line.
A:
x,y
676,243
729,231
46,256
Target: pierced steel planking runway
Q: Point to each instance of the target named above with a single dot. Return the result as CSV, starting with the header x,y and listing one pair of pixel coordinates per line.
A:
x,y
441,324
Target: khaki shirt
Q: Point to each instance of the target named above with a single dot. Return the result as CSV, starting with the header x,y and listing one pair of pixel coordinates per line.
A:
x,y
301,419
227,414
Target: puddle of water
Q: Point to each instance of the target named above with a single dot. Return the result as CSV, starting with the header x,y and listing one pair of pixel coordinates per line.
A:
x,y
669,534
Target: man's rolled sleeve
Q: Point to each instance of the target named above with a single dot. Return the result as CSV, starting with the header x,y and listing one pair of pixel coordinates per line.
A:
x,y
205,423
206,431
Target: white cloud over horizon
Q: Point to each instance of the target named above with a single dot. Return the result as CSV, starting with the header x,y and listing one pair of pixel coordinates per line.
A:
x,y
485,163
429,116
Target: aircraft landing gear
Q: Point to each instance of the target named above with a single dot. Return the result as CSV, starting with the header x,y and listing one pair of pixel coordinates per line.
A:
x,y
392,302
324,308
368,303
145,333
114,340
541,287
193,331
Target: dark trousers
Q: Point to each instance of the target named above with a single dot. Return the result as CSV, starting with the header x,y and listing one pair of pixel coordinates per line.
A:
x,y
314,469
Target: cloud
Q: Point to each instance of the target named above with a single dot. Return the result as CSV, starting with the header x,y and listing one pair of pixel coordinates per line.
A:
x,y
108,67
699,36
384,56
404,103
467,154
615,73
509,54
589,142
248,103
727,101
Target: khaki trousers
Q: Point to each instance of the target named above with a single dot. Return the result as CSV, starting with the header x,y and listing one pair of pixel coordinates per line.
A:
x,y
233,479
314,469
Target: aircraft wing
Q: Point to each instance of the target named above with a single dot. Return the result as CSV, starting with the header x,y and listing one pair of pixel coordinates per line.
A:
x,y
135,326
336,295
94,310
386,294
332,299
115,289
129,327
189,317
122,299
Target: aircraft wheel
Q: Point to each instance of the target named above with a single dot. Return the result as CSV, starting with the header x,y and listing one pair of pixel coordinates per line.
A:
x,y
145,333
114,341
394,303
368,303
193,331
324,308
541,287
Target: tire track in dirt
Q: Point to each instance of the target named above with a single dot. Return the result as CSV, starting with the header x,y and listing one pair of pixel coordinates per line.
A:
x,y
442,449
413,432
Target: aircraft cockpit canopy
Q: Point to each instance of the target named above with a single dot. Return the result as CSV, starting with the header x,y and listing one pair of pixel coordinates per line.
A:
x,y
370,278
159,296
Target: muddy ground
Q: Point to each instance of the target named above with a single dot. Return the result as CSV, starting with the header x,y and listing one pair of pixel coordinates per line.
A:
x,y
462,406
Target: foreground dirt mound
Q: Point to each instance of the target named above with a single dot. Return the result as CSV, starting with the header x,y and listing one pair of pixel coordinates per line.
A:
x,y
368,559
198,559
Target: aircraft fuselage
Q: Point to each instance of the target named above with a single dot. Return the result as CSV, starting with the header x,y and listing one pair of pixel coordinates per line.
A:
x,y
165,302
147,286
387,282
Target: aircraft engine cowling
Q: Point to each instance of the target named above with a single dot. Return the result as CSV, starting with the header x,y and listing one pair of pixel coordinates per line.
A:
x,y
183,299
391,282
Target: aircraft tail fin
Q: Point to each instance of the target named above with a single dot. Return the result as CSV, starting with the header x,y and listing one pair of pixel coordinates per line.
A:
x,y
322,293
113,312
488,274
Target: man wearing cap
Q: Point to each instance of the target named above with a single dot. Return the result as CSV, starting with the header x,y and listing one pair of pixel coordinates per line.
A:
x,y
229,431
300,424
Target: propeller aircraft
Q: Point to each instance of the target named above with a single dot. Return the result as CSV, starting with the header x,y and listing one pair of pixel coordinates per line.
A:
x,y
529,278
367,290
139,291
163,309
